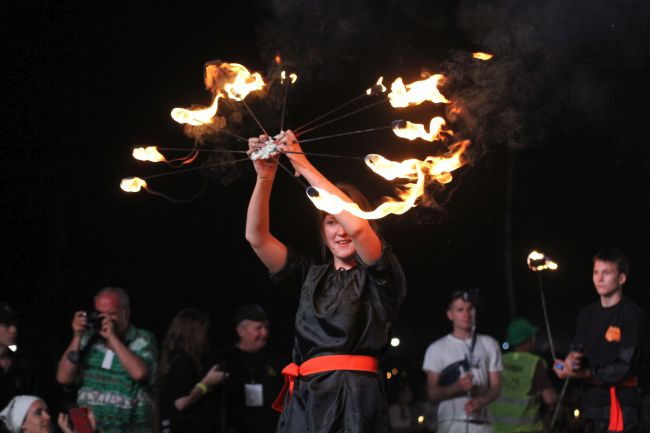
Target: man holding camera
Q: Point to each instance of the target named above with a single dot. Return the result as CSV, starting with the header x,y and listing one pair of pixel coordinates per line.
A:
x,y
112,363
606,350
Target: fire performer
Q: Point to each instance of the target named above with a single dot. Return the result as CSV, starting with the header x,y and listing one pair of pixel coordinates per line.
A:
x,y
606,349
346,309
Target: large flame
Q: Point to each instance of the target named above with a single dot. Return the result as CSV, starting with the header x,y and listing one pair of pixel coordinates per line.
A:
x,y
133,184
232,80
411,131
197,117
433,168
416,93
149,153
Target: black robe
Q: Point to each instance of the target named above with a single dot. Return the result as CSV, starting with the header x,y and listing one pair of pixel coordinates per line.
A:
x,y
347,312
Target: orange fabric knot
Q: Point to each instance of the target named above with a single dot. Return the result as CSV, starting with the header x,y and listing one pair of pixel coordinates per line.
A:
x,y
321,364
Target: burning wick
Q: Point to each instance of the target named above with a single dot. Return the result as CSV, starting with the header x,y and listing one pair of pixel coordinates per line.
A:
x,y
133,184
540,262
482,56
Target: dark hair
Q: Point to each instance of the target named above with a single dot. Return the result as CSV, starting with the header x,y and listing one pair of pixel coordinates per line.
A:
x,y
470,296
357,197
614,256
187,332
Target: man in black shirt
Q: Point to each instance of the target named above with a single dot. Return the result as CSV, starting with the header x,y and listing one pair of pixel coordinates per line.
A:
x,y
255,377
606,350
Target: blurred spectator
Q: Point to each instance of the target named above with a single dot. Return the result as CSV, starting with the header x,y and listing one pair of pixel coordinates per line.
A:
x,y
463,371
185,380
19,374
402,417
525,384
255,378
113,365
29,414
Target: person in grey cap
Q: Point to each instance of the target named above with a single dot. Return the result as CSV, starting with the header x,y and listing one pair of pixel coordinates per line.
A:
x,y
19,373
254,371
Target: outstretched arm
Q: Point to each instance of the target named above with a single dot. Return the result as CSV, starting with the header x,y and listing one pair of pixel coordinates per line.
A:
x,y
365,240
270,250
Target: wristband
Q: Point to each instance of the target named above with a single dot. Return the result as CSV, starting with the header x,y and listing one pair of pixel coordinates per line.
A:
x,y
203,387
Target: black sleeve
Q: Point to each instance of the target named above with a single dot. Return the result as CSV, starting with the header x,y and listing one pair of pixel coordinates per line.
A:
x,y
294,271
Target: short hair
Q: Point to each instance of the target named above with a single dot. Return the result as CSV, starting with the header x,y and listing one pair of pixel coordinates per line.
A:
x,y
122,296
465,295
614,255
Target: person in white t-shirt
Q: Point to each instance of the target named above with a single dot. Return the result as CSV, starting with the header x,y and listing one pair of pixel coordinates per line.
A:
x,y
463,371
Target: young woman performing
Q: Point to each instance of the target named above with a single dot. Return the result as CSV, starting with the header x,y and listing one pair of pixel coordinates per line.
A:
x,y
345,313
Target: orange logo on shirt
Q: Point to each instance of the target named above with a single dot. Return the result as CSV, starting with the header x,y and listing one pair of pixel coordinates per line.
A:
x,y
613,334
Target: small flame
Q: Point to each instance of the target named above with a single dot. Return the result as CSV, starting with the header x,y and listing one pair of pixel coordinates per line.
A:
x,y
482,56
540,262
149,153
132,184
411,131
417,92
433,168
283,76
196,117
379,85
278,59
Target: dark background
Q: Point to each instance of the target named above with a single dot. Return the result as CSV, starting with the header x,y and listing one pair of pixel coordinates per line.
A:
x,y
560,149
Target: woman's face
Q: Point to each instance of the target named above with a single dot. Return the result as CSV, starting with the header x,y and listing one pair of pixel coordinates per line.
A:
x,y
338,241
37,419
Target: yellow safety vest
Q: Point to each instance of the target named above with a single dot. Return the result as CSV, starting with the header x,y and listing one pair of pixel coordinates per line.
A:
x,y
515,410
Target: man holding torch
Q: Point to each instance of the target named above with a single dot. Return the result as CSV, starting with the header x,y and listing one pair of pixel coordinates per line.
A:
x,y
606,350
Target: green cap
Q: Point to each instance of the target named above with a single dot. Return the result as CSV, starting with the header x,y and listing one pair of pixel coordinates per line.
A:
x,y
519,331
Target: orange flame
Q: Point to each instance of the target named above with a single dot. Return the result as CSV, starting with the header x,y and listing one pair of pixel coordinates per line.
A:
x,y
132,184
278,59
416,93
283,76
232,79
433,168
196,117
149,153
540,262
416,130
482,56
378,85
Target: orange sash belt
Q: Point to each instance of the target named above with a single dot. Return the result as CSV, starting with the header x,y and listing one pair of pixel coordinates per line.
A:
x,y
321,364
615,412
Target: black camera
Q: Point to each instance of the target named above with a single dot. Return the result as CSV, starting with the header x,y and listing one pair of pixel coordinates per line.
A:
x,y
94,320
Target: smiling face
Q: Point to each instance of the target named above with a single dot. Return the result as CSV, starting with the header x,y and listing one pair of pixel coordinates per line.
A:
x,y
338,242
37,419
608,280
253,335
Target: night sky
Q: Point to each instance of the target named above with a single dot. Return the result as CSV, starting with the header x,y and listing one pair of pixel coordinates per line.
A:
x,y
560,154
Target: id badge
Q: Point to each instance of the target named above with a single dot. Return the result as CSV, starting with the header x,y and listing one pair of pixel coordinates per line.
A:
x,y
254,394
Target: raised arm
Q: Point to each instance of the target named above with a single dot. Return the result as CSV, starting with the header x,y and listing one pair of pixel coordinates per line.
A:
x,y
365,240
269,249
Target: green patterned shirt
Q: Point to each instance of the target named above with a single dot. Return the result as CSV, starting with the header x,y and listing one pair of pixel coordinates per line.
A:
x,y
120,404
